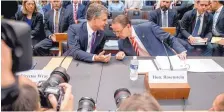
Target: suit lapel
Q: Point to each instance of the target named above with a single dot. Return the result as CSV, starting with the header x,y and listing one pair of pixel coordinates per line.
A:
x,y
170,18
159,17
98,39
83,35
61,19
204,23
193,20
52,20
220,15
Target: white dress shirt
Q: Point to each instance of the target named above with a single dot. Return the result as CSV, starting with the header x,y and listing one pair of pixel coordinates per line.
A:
x,y
132,4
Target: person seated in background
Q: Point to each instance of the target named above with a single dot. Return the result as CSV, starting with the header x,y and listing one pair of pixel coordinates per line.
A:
x,y
116,6
164,16
140,102
77,10
56,21
218,104
94,1
218,26
133,5
43,2
146,39
86,40
34,19
47,7
195,26
184,7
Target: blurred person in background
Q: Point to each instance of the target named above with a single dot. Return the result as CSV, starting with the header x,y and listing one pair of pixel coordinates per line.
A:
x,y
116,6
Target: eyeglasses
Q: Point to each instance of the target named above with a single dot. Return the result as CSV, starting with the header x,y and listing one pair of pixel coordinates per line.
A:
x,y
118,32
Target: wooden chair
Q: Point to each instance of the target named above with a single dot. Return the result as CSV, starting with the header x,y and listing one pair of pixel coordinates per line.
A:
x,y
171,30
60,37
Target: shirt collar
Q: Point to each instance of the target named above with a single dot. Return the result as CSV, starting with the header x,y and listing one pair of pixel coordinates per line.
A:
x,y
219,10
58,10
89,29
202,15
163,11
133,33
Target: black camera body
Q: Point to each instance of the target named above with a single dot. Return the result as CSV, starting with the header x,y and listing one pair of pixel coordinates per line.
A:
x,y
50,86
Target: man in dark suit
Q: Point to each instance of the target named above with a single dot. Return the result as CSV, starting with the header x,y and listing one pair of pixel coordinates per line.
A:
x,y
218,25
164,16
56,21
86,40
144,39
196,25
77,10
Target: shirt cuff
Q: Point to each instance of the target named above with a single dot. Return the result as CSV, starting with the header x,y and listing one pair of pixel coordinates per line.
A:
x,y
93,57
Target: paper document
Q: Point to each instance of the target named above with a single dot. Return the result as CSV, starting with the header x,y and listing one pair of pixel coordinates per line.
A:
x,y
146,66
199,41
203,65
112,43
55,62
216,39
36,75
162,63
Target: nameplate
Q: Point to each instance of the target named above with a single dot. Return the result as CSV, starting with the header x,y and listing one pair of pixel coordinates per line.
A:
x,y
167,77
36,75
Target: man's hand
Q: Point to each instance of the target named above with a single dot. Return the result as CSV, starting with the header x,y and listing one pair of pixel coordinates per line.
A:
x,y
120,55
221,42
68,101
53,38
6,61
102,58
191,39
205,39
76,21
183,55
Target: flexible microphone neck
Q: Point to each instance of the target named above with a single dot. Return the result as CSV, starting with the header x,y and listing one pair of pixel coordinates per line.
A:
x,y
171,67
65,57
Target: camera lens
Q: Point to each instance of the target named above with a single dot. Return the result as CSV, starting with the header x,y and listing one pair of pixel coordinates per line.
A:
x,y
58,76
86,104
121,94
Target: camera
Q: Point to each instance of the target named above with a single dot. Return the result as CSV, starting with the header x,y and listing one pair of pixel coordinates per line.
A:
x,y
50,86
86,104
120,95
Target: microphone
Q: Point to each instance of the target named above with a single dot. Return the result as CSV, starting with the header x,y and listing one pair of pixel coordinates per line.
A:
x,y
171,67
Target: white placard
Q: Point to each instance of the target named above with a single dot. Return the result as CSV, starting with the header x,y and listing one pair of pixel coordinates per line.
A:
x,y
36,75
167,77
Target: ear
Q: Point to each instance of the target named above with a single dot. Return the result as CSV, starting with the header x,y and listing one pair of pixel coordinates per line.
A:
x,y
129,25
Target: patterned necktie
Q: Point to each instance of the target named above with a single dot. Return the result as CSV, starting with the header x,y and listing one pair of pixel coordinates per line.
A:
x,y
75,12
135,45
93,41
56,22
164,22
197,26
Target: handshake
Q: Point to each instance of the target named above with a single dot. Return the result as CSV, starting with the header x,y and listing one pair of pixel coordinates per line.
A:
x,y
101,57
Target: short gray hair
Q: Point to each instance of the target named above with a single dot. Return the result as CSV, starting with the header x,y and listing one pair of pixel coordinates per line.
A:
x,y
95,10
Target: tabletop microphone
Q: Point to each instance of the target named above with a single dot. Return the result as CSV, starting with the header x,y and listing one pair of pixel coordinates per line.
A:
x,y
171,67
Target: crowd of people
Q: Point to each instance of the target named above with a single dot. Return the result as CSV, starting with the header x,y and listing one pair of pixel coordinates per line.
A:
x,y
201,20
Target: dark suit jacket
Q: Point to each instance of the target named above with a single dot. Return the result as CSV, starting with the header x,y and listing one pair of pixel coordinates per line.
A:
x,y
188,22
46,8
156,17
151,36
220,23
80,12
65,20
78,42
183,8
37,26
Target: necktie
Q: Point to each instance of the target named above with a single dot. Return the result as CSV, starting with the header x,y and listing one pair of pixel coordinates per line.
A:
x,y
75,12
56,22
135,45
93,41
197,26
164,22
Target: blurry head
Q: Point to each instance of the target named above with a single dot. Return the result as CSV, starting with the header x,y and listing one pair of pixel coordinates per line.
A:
x,y
202,6
56,4
75,1
115,1
215,4
165,4
96,1
29,6
140,102
43,2
121,26
218,104
25,102
8,8
97,16
209,7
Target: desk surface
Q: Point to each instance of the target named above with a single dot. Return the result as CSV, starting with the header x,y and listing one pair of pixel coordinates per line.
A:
x,y
90,79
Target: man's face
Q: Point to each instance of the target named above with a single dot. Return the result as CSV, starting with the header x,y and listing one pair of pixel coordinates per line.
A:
x,y
43,2
120,31
56,4
165,4
202,6
101,21
75,1
214,4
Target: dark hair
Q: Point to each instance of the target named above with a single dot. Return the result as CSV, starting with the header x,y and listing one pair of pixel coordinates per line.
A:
x,y
28,100
95,10
140,102
9,8
122,19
